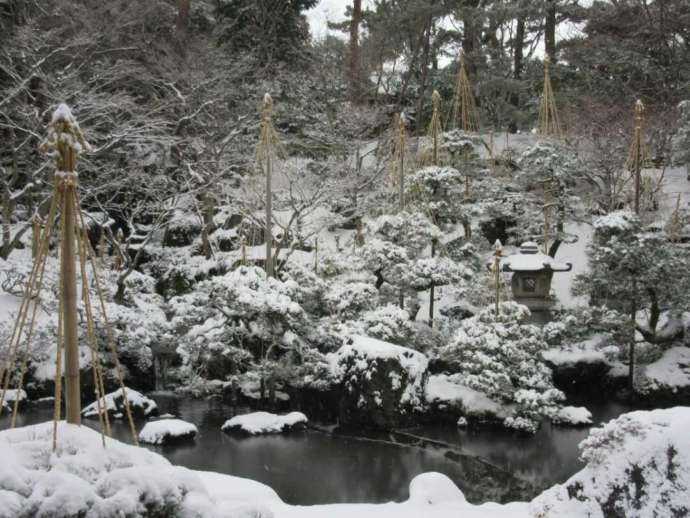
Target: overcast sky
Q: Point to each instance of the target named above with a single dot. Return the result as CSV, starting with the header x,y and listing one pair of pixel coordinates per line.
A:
x,y
327,11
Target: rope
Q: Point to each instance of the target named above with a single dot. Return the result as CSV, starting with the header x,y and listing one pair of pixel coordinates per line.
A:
x,y
464,110
109,333
91,334
96,351
549,123
29,292
58,366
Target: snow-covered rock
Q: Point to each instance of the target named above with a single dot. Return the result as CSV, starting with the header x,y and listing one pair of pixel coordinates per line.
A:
x,y
166,431
573,416
638,466
383,384
447,394
434,488
668,377
140,405
265,423
84,479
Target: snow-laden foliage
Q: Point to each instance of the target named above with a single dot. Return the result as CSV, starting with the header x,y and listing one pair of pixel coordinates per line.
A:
x,y
501,357
637,466
681,139
235,317
629,263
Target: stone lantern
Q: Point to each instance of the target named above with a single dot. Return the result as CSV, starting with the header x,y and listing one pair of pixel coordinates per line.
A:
x,y
532,273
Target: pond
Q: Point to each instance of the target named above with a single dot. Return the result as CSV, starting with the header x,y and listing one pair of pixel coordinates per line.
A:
x,y
314,467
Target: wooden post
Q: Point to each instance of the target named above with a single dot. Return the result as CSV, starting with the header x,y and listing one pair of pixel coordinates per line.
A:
x,y
68,182
316,255
637,150
244,250
637,172
36,235
497,272
267,121
435,123
402,135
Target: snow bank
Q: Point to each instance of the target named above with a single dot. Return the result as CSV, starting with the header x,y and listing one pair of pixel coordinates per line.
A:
x,y
11,395
83,479
264,422
114,404
671,371
434,488
637,466
593,350
573,415
167,431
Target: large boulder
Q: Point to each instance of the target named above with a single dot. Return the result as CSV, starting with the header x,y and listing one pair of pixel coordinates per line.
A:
x,y
382,383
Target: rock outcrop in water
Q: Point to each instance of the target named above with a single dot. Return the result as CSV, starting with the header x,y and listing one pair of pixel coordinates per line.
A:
x,y
382,384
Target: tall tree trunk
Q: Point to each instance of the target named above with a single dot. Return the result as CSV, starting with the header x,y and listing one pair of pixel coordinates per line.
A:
x,y
353,64
550,30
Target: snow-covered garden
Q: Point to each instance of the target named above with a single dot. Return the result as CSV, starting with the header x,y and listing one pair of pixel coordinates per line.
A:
x,y
431,262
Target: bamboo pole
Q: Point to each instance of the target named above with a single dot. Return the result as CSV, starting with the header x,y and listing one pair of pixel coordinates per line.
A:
x,y
435,130
637,172
68,182
497,272
268,151
402,138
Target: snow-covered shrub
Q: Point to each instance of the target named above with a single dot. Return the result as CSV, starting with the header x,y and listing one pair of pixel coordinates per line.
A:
x,y
390,324
501,357
346,300
239,312
638,466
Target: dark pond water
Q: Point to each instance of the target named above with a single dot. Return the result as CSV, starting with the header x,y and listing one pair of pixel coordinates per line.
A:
x,y
314,467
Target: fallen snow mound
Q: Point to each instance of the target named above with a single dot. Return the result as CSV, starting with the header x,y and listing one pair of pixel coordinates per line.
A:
x,y
638,466
140,405
573,416
264,422
82,478
434,488
167,431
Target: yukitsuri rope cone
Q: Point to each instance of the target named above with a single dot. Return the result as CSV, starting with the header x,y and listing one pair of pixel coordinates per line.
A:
x,y
64,143
463,113
549,123
636,155
267,150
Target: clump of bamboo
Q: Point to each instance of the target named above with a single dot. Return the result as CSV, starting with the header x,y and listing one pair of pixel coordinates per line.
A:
x,y
549,123
464,113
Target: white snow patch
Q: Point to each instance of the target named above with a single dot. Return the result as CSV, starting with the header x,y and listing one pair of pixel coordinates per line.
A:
x,y
264,422
573,415
158,432
443,388
136,400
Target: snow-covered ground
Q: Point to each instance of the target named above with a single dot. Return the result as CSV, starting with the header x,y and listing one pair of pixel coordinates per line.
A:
x,y
638,466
